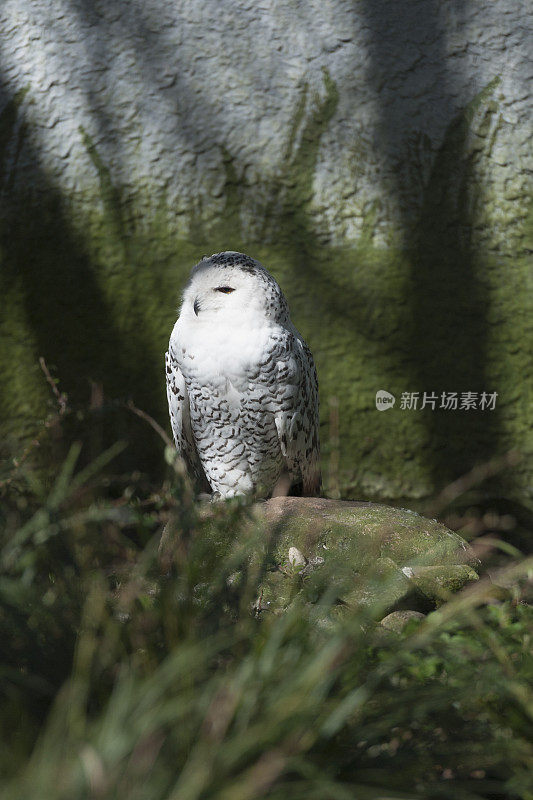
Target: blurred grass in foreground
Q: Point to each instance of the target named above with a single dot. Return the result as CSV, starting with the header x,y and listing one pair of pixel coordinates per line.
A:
x,y
119,682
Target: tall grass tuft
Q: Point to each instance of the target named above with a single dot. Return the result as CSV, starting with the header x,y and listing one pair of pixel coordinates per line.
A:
x,y
124,674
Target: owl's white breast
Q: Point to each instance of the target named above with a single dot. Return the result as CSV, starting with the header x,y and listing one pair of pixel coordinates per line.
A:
x,y
212,353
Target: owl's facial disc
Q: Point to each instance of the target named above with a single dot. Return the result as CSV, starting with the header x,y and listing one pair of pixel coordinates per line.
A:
x,y
197,305
225,293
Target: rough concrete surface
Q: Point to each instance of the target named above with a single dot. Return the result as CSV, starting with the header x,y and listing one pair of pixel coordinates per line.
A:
x,y
171,93
374,155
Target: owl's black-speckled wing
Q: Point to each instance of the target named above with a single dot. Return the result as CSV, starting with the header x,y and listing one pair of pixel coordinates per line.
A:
x,y
297,421
178,407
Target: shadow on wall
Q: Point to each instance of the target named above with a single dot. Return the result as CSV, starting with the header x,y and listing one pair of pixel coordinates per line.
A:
x,y
46,264
442,338
447,296
442,341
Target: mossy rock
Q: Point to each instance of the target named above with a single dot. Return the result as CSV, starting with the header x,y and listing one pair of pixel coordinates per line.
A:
x,y
367,555
397,620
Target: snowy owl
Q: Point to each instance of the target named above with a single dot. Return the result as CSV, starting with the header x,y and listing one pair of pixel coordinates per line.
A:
x,y
241,383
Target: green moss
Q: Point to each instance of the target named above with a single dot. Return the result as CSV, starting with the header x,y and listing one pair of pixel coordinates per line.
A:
x,y
96,294
9,117
118,230
528,234
369,533
438,583
364,554
287,211
23,395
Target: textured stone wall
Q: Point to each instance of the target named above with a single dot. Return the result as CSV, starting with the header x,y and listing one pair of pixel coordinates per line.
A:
x,y
172,91
373,154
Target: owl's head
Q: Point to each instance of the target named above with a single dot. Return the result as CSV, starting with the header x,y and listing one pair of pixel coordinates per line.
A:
x,y
230,287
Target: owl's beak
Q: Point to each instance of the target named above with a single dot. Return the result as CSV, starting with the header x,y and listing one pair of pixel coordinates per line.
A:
x,y
196,306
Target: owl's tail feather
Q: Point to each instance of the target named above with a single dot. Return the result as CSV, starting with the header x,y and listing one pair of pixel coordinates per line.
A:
x,y
311,484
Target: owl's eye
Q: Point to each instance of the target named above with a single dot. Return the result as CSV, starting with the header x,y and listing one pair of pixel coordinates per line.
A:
x,y
224,289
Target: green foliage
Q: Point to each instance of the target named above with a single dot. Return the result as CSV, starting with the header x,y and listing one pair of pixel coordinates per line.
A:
x,y
122,679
